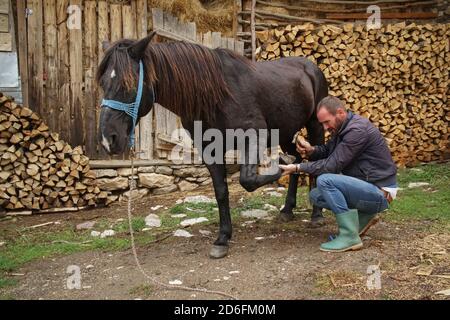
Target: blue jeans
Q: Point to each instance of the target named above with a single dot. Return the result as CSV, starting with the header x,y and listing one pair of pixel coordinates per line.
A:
x,y
340,193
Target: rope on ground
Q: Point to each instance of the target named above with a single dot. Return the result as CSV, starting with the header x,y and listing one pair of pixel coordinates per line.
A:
x,y
136,258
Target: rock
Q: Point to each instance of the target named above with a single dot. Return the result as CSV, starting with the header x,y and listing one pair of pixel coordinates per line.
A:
x,y
205,232
152,220
274,194
235,176
192,172
199,199
270,207
165,190
255,213
90,266
179,216
126,172
119,183
206,182
156,207
146,169
86,225
136,194
179,201
190,222
154,180
182,233
259,238
107,233
187,186
164,170
95,234
105,173
2,243
176,282
418,184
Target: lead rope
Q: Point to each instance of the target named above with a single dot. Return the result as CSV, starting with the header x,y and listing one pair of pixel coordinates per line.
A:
x,y
133,246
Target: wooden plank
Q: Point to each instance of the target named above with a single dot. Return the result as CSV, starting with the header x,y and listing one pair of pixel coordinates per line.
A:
x,y
35,55
216,40
160,127
253,31
141,19
172,36
191,31
4,23
51,68
239,47
207,39
224,43
4,6
116,22
146,135
129,22
169,22
22,49
230,43
103,35
63,65
76,83
90,69
157,19
384,15
6,42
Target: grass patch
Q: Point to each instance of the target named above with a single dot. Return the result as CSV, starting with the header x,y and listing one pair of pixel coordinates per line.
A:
x,y
426,203
141,291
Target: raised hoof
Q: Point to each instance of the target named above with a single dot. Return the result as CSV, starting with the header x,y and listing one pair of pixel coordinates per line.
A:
x,y
317,222
218,252
286,217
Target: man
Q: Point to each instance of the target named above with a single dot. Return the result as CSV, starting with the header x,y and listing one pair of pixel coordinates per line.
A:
x,y
368,181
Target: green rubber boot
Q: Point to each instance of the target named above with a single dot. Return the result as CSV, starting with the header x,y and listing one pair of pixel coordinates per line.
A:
x,y
366,221
348,238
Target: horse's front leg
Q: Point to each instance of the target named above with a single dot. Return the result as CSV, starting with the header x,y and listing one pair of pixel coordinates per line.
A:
x,y
286,213
218,175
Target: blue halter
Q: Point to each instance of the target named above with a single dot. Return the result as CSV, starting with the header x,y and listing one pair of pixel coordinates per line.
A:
x,y
131,109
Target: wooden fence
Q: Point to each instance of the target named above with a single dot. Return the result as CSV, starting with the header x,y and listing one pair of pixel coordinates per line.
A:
x,y
60,47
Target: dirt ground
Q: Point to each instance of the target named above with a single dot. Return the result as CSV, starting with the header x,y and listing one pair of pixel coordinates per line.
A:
x,y
267,260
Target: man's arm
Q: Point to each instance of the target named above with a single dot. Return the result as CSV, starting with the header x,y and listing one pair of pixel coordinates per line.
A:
x,y
353,143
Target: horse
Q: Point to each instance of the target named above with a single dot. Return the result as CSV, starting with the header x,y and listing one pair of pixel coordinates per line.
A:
x,y
222,89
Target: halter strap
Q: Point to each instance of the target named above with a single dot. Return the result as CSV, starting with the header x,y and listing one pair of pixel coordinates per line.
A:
x,y
131,109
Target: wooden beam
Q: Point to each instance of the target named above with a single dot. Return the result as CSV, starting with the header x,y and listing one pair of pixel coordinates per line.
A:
x,y
110,164
253,32
384,15
22,50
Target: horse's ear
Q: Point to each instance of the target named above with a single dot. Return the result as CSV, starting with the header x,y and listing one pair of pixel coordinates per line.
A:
x,y
137,50
106,45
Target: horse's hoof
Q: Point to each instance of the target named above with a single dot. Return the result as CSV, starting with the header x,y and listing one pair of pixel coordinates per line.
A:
x,y
218,252
317,222
286,217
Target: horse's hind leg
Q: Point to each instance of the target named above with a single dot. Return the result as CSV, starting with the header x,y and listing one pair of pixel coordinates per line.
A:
x,y
218,175
316,136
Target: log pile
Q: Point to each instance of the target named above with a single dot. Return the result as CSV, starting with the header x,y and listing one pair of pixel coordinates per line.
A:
x,y
396,76
39,171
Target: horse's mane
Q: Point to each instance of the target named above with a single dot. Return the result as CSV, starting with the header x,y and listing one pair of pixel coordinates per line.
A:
x,y
188,78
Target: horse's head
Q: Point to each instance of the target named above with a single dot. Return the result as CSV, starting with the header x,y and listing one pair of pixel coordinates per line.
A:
x,y
128,92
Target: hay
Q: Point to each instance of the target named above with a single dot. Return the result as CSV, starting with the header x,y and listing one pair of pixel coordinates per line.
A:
x,y
208,15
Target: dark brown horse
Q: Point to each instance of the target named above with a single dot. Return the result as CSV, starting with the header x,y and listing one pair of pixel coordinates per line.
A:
x,y
224,91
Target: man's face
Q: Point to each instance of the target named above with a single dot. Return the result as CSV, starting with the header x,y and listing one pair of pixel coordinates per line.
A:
x,y
331,123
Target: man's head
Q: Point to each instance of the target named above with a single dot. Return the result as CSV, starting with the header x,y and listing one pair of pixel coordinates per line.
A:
x,y
331,113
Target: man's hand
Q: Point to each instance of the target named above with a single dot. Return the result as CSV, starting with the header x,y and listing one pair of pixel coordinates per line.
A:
x,y
304,147
289,169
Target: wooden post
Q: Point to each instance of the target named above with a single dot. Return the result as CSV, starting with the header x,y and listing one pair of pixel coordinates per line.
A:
x,y
23,50
76,83
90,69
51,57
63,63
116,22
253,30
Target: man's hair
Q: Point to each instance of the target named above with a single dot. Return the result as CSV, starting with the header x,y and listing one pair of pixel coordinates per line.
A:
x,y
331,104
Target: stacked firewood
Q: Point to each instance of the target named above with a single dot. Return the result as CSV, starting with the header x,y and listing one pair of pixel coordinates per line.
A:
x,y
397,76
38,170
